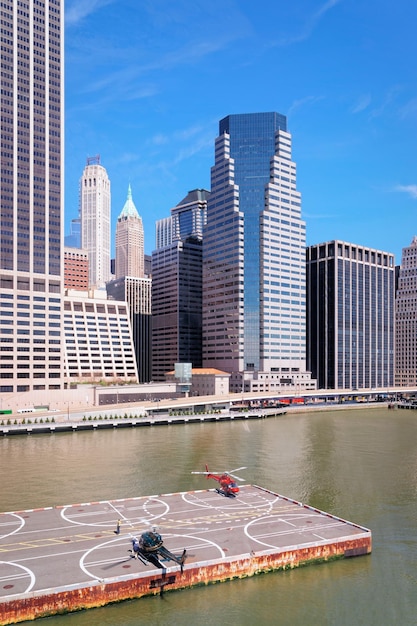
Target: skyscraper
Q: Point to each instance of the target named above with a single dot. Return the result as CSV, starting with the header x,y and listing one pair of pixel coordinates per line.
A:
x,y
31,206
136,292
163,232
350,316
406,319
73,240
95,207
254,258
131,284
189,216
130,254
177,286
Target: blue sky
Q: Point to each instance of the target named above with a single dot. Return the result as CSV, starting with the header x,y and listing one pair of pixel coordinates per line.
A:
x,y
147,82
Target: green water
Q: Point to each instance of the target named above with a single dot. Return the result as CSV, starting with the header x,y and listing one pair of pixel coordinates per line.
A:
x,y
360,465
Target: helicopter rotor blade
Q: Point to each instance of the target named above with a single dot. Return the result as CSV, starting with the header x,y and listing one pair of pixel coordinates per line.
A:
x,y
234,475
224,472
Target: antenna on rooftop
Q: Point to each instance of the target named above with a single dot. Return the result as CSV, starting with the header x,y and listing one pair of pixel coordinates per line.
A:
x,y
95,160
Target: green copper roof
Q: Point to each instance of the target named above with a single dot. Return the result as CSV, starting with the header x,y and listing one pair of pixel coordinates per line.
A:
x,y
129,209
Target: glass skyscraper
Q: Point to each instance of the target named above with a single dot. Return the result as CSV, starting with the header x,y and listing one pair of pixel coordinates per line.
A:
x,y
177,286
254,257
350,316
31,208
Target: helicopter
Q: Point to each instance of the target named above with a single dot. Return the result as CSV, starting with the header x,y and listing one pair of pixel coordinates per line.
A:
x,y
228,486
149,548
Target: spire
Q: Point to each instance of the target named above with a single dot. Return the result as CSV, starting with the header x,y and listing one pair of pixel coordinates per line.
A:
x,y
129,209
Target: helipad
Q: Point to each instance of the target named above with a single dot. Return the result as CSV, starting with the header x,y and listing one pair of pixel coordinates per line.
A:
x,y
65,558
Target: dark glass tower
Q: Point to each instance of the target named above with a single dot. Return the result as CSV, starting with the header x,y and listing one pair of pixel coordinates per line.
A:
x,y
177,286
350,316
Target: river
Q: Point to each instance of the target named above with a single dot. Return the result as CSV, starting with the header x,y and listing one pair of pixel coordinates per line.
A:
x,y
360,465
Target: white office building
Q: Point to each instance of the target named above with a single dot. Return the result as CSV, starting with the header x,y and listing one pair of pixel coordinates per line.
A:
x,y
95,208
98,339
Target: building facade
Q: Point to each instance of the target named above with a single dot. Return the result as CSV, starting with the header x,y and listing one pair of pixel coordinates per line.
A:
x,y
189,216
95,208
350,316
130,254
177,287
406,319
254,258
205,382
31,203
163,232
136,292
75,269
98,339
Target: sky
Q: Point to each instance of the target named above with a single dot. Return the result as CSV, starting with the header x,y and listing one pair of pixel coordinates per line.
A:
x,y
147,81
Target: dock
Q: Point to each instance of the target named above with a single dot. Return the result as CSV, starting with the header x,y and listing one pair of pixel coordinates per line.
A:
x,y
51,425
66,558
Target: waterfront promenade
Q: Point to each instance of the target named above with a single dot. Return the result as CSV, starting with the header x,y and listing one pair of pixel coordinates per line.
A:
x,y
130,417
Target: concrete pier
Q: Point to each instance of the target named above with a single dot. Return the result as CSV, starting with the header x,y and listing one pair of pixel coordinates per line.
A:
x,y
66,558
60,425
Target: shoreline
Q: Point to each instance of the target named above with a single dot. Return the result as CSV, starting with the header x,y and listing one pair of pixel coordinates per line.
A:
x,y
51,425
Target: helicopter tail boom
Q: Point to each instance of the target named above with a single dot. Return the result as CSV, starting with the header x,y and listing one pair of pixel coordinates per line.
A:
x,y
178,558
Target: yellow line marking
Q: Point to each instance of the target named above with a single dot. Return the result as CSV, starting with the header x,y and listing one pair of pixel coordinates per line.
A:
x,y
51,541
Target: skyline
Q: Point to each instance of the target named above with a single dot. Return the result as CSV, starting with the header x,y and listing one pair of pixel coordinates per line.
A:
x,y
147,84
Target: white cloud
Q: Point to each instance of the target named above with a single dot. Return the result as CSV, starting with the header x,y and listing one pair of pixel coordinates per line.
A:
x,y
362,104
411,190
324,8
194,148
388,101
160,139
123,79
297,104
79,9
310,24
186,142
409,109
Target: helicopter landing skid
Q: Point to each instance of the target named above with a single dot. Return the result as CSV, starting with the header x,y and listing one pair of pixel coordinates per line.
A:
x,y
136,555
226,495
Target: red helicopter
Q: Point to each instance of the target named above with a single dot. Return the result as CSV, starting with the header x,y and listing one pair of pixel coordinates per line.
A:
x,y
228,486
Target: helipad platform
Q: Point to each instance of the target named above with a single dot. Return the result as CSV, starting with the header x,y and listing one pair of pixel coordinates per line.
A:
x,y
66,558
